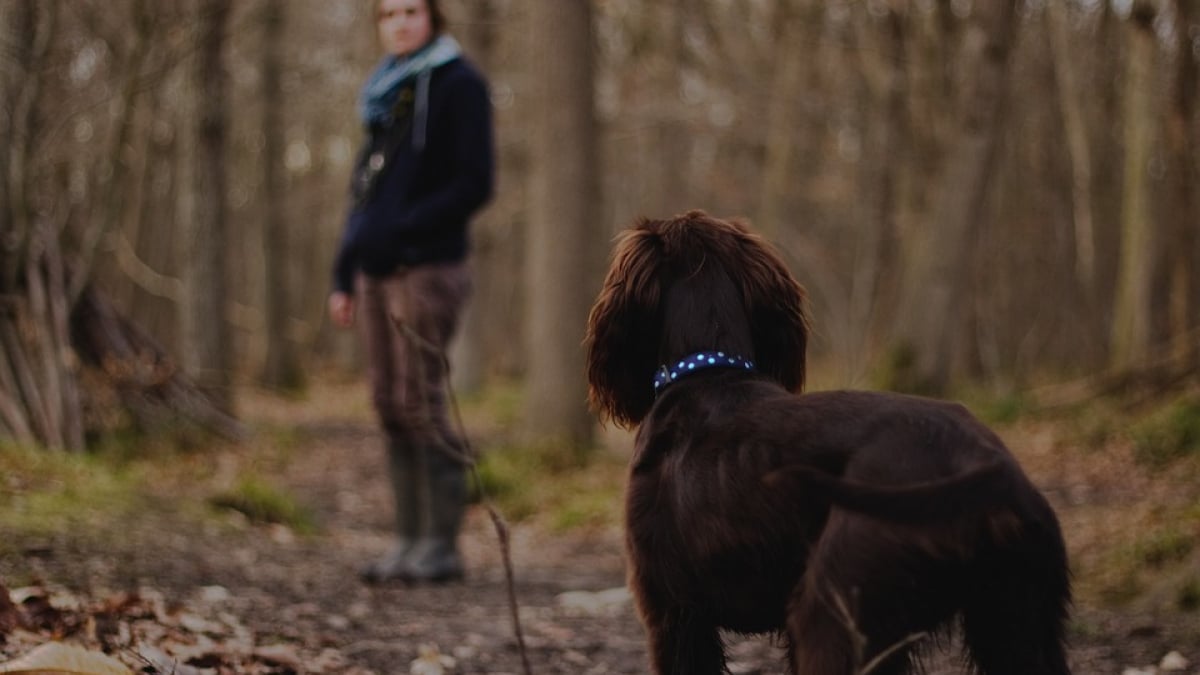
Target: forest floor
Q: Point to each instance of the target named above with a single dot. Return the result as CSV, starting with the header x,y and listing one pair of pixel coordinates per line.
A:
x,y
166,582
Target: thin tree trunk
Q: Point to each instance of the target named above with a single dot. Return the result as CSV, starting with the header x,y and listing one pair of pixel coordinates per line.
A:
x,y
41,402
1133,317
282,368
874,264
930,320
207,344
1181,121
112,185
562,227
670,167
1077,145
468,351
796,35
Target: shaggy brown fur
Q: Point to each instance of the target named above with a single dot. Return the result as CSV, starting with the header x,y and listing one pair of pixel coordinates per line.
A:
x,y
846,522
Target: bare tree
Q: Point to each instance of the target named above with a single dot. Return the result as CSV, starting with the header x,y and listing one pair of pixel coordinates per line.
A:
x,y
282,368
1075,124
562,229
469,349
1184,250
1133,323
207,344
39,396
930,325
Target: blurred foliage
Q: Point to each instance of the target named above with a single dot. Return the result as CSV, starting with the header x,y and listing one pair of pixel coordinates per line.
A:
x,y
561,488
43,493
262,502
1168,433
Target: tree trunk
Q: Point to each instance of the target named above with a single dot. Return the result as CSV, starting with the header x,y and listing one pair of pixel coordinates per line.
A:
x,y
562,227
872,282
797,33
1075,125
281,369
1132,327
1181,129
39,394
207,344
669,174
937,261
468,351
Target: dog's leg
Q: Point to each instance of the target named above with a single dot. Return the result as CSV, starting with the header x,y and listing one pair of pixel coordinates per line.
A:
x,y
1013,622
866,600
817,640
683,643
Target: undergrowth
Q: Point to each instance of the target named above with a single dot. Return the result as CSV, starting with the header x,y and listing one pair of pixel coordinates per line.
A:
x,y
44,492
561,488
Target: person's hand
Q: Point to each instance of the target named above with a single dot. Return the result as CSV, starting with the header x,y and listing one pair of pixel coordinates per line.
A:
x,y
341,309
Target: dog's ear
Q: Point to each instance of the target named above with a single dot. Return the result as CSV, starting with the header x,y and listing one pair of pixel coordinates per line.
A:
x,y
624,330
775,302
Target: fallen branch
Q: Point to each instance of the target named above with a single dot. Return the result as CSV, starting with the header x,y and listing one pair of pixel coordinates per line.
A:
x,y
1150,377
150,384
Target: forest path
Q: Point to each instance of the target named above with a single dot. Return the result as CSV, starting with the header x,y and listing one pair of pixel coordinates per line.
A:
x,y
296,604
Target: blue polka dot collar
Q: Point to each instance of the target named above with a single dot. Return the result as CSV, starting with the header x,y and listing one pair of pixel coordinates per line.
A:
x,y
671,372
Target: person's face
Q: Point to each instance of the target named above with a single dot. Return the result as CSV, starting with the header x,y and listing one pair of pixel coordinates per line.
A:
x,y
404,25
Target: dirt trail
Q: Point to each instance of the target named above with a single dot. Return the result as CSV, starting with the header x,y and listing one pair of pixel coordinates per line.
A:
x,y
302,591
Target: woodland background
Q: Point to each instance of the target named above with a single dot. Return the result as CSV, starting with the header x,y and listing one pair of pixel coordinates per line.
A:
x,y
986,194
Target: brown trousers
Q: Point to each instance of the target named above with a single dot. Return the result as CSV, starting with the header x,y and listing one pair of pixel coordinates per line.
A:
x,y
407,376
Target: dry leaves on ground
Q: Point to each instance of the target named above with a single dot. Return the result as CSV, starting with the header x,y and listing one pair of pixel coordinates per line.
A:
x,y
45,629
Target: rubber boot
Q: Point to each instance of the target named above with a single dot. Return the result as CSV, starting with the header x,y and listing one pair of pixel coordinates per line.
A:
x,y
435,557
405,473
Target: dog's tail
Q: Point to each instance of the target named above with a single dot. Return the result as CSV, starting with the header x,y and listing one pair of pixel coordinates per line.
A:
x,y
971,491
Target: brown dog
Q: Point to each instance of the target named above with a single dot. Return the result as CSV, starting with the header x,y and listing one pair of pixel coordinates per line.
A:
x,y
850,523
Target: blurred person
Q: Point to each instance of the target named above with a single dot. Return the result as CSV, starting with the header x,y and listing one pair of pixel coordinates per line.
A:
x,y
401,271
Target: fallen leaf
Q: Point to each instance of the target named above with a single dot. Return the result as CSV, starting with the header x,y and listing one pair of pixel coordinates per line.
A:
x,y
279,655
430,661
1173,661
56,658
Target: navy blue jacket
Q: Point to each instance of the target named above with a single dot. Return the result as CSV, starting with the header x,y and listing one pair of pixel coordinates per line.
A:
x,y
419,206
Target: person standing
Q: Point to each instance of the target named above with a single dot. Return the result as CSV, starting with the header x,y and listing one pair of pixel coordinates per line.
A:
x,y
401,270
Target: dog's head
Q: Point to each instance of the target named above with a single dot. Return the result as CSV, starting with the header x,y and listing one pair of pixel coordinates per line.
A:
x,y
687,284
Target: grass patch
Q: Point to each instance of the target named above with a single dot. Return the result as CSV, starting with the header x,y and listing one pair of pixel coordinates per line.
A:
x,y
1164,547
262,502
567,489
1123,575
1168,434
1188,598
44,492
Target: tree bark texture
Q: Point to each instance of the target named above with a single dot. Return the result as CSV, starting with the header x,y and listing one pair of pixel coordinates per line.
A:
x,y
931,321
562,225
